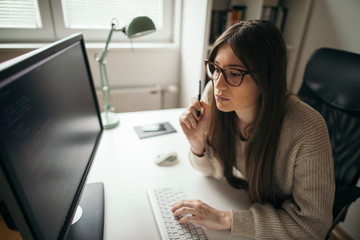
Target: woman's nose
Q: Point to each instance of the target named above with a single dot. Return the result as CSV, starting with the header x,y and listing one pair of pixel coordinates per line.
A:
x,y
220,83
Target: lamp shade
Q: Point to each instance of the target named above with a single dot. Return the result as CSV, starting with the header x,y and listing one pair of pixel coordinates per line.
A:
x,y
139,26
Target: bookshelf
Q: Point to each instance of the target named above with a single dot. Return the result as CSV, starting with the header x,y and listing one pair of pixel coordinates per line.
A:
x,y
291,16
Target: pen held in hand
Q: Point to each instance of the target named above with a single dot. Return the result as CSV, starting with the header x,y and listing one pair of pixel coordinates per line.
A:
x,y
199,97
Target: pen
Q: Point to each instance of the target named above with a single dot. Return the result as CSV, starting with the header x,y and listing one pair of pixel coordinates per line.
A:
x,y
199,97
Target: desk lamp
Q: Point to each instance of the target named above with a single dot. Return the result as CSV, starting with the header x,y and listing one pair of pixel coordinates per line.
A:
x,y
139,26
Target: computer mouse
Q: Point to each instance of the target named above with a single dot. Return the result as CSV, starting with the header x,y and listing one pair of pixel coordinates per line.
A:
x,y
166,158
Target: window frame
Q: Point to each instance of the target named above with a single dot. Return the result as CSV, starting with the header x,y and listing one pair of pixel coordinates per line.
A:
x,y
51,12
43,34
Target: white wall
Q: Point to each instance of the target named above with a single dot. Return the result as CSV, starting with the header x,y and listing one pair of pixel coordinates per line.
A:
x,y
138,67
127,68
334,24
142,66
192,48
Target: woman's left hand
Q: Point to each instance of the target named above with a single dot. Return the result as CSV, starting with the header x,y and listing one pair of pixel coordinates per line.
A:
x,y
196,211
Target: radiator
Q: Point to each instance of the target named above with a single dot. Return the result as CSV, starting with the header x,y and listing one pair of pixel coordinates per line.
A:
x,y
134,98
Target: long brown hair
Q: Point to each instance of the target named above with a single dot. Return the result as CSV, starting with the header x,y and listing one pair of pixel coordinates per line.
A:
x,y
261,48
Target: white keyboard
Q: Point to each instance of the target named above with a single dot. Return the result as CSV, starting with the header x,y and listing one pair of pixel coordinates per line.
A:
x,y
161,199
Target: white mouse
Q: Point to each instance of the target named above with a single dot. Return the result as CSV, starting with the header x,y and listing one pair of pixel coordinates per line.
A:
x,y
166,158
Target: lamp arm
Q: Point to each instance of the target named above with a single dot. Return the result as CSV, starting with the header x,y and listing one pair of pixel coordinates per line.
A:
x,y
105,87
105,51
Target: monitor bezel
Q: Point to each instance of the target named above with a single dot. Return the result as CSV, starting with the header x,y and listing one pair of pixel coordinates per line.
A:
x,y
18,213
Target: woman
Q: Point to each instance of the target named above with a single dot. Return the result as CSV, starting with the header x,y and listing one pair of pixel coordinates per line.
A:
x,y
260,138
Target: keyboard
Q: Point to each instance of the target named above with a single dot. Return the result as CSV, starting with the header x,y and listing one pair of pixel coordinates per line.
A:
x,y
161,200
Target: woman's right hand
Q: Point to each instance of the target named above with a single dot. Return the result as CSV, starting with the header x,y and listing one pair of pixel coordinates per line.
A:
x,y
194,127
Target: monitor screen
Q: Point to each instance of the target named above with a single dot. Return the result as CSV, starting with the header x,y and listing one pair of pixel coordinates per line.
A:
x,y
50,127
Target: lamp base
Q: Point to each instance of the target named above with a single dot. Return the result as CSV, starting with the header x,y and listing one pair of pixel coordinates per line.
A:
x,y
109,120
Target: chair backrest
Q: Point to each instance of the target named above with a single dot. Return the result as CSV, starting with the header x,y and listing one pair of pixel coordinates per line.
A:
x,y
332,86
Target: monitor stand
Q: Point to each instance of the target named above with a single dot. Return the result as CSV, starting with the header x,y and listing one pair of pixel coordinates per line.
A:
x,y
90,225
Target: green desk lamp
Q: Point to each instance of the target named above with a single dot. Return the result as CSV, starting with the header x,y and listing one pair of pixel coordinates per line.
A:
x,y
139,26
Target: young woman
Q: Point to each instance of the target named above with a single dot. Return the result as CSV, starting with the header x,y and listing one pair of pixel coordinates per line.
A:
x,y
260,138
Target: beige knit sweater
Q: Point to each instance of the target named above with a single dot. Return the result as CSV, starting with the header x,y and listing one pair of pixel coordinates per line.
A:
x,y
304,176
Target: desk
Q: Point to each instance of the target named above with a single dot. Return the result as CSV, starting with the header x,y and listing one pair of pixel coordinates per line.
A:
x,y
124,163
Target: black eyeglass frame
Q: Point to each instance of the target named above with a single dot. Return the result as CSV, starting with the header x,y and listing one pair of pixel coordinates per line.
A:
x,y
222,70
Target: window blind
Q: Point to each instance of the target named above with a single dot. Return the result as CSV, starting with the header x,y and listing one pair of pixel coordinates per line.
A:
x,y
98,14
20,14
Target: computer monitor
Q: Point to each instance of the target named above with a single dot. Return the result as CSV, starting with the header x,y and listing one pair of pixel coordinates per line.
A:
x,y
50,127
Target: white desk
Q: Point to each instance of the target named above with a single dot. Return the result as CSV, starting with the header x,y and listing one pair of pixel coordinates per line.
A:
x,y
124,163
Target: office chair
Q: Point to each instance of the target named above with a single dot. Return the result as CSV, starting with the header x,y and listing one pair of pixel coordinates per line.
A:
x,y
331,85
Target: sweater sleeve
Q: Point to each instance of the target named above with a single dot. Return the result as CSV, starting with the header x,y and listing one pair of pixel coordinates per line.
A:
x,y
207,163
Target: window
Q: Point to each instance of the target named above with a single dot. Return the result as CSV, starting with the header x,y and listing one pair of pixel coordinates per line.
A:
x,y
44,20
93,14
20,14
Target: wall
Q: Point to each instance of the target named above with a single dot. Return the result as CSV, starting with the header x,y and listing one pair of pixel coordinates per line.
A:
x,y
126,67
137,67
333,24
130,68
6,54
192,48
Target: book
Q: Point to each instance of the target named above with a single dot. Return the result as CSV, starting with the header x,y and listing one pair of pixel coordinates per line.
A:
x,y
276,15
222,19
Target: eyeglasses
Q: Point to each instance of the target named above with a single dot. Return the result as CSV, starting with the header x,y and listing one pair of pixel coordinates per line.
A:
x,y
234,77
